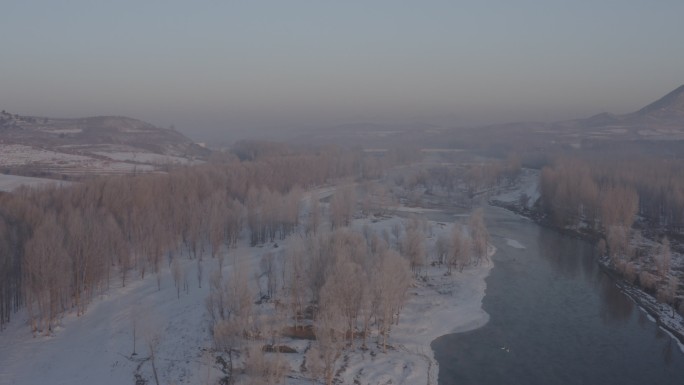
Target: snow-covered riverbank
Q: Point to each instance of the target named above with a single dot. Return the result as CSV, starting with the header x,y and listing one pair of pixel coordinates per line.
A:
x,y
96,347
521,197
437,304
440,305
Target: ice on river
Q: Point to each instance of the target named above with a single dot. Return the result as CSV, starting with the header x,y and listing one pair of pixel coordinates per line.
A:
x,y
514,244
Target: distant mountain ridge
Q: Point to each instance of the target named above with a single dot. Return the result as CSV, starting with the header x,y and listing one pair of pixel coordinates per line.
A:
x,y
670,105
667,110
662,120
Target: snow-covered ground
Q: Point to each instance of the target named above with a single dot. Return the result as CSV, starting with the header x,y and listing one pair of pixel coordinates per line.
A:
x,y
416,210
12,182
145,157
13,155
443,305
96,347
18,154
668,320
440,305
527,185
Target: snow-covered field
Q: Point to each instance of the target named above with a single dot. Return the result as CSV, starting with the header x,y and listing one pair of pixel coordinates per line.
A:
x,y
11,182
77,160
144,157
13,155
18,154
96,347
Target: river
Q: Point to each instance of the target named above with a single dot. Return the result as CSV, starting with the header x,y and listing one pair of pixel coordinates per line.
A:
x,y
555,318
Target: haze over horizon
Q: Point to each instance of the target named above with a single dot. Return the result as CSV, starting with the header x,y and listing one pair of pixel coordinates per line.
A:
x,y
212,69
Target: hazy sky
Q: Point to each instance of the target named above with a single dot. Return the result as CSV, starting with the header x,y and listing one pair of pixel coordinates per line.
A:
x,y
212,66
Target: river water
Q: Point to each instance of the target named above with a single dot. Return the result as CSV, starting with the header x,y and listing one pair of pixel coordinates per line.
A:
x,y
555,318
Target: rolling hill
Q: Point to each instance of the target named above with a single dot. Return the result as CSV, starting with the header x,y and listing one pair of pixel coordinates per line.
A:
x,y
43,146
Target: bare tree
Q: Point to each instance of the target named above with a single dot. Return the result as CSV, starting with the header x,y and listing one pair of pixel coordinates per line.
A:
x,y
329,329
617,239
268,267
262,368
391,280
200,272
663,257
396,233
217,222
177,272
46,275
479,236
230,307
460,250
295,276
314,362
442,246
319,259
342,206
314,220
668,294
619,206
150,329
343,290
413,246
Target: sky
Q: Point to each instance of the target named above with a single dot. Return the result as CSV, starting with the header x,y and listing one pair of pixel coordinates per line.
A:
x,y
214,68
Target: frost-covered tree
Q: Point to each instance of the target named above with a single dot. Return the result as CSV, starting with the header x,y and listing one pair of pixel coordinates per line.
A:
x,y
342,206
663,257
413,247
263,368
391,280
269,270
442,249
295,277
314,218
230,309
460,250
329,329
668,292
343,290
46,276
479,235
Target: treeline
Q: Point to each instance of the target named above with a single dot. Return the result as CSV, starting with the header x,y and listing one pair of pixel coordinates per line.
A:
x,y
609,191
605,196
61,246
470,178
343,288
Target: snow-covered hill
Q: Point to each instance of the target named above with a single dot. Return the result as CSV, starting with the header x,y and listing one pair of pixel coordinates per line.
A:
x,y
96,145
